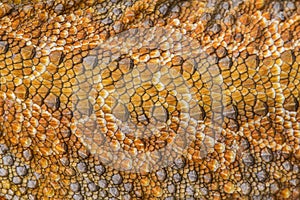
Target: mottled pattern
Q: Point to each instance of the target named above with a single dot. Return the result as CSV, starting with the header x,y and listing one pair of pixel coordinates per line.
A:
x,y
65,67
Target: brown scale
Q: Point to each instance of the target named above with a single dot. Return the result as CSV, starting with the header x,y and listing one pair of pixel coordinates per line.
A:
x,y
251,44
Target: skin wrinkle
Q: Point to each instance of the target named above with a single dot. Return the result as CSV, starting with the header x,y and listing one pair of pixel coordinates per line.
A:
x,y
81,79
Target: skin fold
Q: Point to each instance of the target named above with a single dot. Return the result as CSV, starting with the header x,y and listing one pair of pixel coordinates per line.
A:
x,y
163,99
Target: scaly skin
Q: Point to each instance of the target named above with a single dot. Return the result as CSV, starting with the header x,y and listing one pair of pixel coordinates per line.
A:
x,y
245,79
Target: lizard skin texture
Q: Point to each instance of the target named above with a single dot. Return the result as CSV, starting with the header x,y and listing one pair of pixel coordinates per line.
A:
x,y
66,65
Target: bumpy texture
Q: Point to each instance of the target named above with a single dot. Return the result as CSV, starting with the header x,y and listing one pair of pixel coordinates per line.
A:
x,y
65,67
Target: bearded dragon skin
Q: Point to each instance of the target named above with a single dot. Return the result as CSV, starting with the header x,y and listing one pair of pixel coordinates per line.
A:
x,y
141,99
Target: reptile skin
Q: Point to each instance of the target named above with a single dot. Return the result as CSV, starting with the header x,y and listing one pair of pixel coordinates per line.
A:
x,y
77,84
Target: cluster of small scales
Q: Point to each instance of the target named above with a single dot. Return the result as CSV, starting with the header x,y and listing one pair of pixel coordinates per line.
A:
x,y
248,50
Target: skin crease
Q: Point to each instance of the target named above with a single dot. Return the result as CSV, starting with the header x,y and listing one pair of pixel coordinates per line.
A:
x,y
248,50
